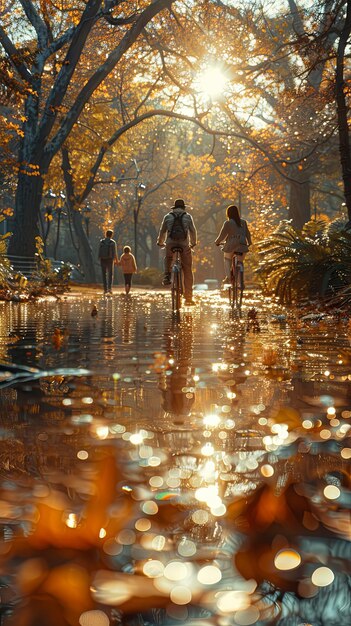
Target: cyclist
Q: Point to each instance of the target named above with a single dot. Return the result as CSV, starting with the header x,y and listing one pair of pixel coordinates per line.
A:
x,y
235,236
178,230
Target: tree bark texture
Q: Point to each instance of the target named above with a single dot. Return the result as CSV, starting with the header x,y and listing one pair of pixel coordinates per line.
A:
x,y
342,111
28,200
299,202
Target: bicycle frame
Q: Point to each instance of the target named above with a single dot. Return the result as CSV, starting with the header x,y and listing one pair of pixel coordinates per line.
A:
x,y
176,279
236,283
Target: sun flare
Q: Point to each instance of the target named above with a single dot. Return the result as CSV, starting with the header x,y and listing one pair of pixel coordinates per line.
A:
x,y
211,81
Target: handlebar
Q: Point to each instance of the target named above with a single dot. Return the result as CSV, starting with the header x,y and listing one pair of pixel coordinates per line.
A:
x,y
221,245
163,245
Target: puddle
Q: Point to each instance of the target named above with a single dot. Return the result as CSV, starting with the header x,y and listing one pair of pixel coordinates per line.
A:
x,y
173,471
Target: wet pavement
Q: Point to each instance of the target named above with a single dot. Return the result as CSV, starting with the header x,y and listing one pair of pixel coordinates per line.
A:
x,y
161,470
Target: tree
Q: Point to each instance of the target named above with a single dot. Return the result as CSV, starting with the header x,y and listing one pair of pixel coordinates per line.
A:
x,y
276,97
48,120
283,105
343,109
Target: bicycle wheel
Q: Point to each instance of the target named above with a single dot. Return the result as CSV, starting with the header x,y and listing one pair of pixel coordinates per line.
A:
x,y
235,286
231,293
176,289
239,284
231,288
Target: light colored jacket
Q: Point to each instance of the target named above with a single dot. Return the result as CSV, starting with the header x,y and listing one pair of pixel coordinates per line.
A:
x,y
166,227
127,263
230,230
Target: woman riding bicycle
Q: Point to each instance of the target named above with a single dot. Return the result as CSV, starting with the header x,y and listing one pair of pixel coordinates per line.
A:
x,y
235,236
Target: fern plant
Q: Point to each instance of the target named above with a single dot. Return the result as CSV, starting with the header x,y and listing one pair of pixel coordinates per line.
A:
x,y
314,261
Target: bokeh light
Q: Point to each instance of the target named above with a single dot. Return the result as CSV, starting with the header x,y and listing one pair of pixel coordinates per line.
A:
x,y
287,559
209,575
94,618
322,577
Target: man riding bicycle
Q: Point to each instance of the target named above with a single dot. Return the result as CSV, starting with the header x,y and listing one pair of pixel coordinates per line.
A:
x,y
178,231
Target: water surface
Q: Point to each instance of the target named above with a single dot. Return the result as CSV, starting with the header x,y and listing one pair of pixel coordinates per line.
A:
x,y
173,471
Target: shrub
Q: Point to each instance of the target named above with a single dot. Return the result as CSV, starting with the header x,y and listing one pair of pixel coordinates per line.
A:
x,y
44,280
149,276
315,261
46,275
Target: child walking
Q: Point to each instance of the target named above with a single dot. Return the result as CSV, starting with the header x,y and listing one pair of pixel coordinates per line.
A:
x,y
129,267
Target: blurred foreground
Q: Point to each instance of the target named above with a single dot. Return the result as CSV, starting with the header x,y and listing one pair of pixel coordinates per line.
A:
x,y
173,471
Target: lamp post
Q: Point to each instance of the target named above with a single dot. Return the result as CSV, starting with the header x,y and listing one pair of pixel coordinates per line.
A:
x,y
139,195
50,200
61,199
86,212
50,203
239,173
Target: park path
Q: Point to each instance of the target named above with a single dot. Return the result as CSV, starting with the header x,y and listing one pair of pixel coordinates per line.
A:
x,y
191,416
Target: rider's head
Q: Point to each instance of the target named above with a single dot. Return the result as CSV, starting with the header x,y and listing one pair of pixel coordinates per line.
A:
x,y
179,204
233,213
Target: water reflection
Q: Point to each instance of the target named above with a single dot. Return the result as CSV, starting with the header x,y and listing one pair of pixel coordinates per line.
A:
x,y
177,380
198,471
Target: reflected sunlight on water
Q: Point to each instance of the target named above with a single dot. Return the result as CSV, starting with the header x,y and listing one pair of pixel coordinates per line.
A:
x,y
173,471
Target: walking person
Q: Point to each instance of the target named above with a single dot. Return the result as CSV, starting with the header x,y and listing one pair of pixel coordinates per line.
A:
x,y
129,267
178,230
108,258
235,236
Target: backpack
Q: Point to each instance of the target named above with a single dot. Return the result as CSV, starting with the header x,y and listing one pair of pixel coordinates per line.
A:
x,y
178,232
106,249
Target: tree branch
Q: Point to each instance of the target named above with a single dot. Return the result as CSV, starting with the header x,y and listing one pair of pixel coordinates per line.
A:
x,y
36,21
297,21
119,21
100,74
62,81
14,56
57,44
137,120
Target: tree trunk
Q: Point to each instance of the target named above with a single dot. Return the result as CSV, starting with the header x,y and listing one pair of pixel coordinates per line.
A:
x,y
154,254
28,200
57,240
342,111
85,251
147,240
300,202
46,127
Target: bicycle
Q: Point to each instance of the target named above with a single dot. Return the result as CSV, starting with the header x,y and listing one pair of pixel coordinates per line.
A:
x,y
236,287
176,278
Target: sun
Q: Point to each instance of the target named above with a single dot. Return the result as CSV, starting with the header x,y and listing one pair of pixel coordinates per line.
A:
x,y
211,81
